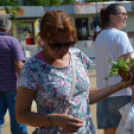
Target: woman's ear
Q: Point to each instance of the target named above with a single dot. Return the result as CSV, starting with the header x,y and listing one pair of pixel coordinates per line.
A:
x,y
111,17
41,37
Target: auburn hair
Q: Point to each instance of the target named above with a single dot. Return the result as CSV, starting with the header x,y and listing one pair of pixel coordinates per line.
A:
x,y
56,21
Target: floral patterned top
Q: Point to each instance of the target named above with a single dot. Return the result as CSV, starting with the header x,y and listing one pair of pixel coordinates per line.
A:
x,y
53,86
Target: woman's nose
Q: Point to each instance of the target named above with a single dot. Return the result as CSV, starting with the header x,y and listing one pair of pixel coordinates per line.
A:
x,y
64,48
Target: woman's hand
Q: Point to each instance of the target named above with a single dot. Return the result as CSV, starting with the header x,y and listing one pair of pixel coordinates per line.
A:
x,y
66,122
97,95
130,81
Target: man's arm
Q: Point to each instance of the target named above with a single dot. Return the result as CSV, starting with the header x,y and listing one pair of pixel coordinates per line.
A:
x,y
126,56
18,65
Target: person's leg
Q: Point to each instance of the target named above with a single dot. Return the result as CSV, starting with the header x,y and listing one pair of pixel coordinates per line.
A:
x,y
110,130
3,108
108,116
114,104
102,114
16,128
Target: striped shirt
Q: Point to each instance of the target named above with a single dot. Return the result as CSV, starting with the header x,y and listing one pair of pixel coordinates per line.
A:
x,y
10,51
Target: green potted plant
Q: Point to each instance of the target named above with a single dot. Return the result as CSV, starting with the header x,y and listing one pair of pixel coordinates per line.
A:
x,y
121,68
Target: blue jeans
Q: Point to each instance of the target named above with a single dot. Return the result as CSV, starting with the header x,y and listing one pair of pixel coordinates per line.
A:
x,y
108,115
7,101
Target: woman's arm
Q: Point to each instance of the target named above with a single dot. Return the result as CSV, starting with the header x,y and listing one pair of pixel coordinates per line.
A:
x,y
23,109
26,116
96,95
126,56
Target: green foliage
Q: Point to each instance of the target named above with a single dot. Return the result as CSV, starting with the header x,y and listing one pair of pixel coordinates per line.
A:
x,y
47,2
55,3
8,2
119,64
64,2
132,7
36,2
12,11
20,24
131,63
96,0
42,2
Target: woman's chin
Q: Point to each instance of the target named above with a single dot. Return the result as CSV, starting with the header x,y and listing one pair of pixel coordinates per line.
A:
x,y
124,25
59,56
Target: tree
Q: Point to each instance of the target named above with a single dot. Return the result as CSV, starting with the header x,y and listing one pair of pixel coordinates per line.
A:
x,y
67,2
55,3
8,2
13,9
42,2
36,2
96,0
47,2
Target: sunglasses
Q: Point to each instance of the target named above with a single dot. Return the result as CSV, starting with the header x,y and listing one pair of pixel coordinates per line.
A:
x,y
57,46
123,14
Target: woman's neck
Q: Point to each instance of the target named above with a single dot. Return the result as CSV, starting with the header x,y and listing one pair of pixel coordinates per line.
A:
x,y
65,61
110,27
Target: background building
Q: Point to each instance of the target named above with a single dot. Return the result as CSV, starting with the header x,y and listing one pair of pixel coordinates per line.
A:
x,y
83,14
27,30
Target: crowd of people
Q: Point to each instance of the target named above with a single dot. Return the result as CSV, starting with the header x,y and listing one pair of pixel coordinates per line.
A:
x,y
57,77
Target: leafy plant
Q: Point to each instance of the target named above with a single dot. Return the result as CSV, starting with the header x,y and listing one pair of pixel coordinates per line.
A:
x,y
120,68
96,1
12,10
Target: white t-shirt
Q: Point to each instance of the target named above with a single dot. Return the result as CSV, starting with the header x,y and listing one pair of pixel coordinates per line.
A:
x,y
110,44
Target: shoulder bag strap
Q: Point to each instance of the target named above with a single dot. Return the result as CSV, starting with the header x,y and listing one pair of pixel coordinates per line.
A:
x,y
73,86
74,78
59,131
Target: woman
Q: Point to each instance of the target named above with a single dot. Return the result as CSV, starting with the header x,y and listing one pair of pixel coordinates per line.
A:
x,y
47,79
113,44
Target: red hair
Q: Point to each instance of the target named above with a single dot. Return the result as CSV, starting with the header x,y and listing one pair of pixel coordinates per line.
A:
x,y
56,21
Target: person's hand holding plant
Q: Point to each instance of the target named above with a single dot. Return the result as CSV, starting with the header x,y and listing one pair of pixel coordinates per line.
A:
x,y
124,69
121,68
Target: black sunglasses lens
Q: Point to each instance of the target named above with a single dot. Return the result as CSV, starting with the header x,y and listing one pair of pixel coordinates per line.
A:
x,y
55,46
69,44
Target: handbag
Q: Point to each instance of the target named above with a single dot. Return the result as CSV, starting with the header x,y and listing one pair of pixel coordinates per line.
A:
x,y
126,125
59,131
66,109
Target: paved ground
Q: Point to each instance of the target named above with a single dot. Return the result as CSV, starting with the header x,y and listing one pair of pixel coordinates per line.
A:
x,y
90,52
